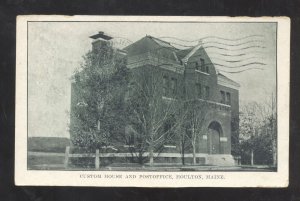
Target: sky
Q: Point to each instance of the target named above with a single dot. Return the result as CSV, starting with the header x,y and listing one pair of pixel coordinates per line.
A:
x,y
55,50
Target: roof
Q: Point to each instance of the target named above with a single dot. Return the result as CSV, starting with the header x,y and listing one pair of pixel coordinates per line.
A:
x,y
227,80
149,43
182,53
162,43
152,44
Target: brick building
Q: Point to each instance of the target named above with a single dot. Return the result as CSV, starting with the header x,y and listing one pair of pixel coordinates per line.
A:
x,y
190,74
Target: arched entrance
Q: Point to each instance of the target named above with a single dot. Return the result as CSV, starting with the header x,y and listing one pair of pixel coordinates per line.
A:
x,y
213,141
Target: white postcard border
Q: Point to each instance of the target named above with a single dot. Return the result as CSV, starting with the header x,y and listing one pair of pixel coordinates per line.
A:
x,y
179,179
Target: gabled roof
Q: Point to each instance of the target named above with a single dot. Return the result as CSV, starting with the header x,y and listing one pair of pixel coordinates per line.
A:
x,y
182,53
197,47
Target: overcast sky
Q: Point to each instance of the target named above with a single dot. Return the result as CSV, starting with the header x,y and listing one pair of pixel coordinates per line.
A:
x,y
55,49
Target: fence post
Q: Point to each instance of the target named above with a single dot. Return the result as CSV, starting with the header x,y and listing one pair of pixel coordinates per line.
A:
x,y
66,162
97,159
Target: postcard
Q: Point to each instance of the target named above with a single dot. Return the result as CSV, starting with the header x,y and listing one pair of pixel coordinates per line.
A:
x,y
160,101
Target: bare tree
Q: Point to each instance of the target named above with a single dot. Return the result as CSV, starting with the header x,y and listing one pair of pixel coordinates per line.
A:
x,y
184,140
197,113
271,124
258,125
152,113
153,105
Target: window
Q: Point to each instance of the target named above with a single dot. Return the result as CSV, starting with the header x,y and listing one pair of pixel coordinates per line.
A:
x,y
165,86
198,90
131,139
222,97
197,66
202,64
206,92
173,86
98,125
206,69
228,98
130,90
167,126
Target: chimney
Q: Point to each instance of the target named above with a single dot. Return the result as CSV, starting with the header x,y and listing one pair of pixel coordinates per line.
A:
x,y
99,40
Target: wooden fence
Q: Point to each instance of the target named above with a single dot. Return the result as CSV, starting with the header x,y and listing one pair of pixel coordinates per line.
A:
x,y
97,156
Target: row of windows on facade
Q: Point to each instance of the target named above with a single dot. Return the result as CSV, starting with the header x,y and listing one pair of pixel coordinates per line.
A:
x,y
225,97
169,88
202,66
201,91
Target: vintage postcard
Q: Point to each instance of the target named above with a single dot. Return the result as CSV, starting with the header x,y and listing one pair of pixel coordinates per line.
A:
x,y
152,101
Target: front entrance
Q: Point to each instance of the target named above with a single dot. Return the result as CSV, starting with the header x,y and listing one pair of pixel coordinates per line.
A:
x,y
213,141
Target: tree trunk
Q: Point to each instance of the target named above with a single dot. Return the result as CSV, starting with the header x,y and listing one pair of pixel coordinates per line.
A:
x,y
194,145
252,157
182,154
151,155
194,154
140,158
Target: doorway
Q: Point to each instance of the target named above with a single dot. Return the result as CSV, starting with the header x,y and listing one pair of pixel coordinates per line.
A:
x,y
214,134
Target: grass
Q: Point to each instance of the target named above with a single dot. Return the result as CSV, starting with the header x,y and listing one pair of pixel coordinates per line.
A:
x,y
57,163
48,144
45,162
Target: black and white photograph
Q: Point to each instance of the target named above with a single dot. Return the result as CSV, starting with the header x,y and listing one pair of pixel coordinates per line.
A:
x,y
138,99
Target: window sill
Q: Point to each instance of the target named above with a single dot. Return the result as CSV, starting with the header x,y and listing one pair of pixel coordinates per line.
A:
x,y
168,98
217,103
170,146
202,72
223,103
128,146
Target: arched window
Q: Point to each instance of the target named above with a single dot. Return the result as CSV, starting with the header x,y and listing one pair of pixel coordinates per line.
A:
x,y
131,139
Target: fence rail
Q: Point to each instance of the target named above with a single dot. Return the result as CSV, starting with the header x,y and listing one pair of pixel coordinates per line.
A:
x,y
97,155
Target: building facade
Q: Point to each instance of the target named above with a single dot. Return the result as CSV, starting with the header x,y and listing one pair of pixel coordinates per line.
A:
x,y
190,75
